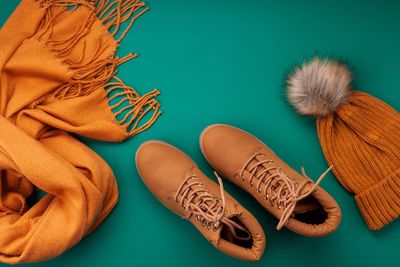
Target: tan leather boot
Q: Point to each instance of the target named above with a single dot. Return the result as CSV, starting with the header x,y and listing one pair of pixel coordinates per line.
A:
x,y
176,181
299,204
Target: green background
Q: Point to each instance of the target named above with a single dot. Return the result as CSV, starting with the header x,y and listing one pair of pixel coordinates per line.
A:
x,y
224,61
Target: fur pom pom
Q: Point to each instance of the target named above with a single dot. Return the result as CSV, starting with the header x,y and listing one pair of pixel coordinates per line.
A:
x,y
319,87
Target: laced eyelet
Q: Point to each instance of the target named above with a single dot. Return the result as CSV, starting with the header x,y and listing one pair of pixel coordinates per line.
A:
x,y
283,189
206,208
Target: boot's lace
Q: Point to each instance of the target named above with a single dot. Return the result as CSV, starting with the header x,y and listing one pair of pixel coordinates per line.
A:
x,y
209,210
277,187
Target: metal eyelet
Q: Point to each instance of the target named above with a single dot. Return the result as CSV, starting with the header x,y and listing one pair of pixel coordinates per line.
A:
x,y
259,190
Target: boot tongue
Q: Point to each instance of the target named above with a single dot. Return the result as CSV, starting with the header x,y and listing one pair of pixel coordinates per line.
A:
x,y
222,232
226,234
233,230
306,204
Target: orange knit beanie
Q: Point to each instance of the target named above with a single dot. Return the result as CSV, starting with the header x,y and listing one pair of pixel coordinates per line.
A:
x,y
359,135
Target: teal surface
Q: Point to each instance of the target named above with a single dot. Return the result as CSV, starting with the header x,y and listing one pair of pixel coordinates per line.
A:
x,y
224,61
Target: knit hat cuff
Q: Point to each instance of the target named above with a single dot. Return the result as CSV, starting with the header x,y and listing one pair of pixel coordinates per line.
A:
x,y
380,204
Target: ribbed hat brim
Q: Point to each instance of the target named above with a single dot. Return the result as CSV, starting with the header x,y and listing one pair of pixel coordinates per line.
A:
x,y
380,204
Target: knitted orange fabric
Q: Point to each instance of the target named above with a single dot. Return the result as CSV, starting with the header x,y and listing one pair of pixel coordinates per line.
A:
x,y
362,141
57,76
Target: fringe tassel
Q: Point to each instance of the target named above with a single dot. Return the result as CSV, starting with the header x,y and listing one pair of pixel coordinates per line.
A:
x,y
68,3
88,78
110,13
92,73
132,107
116,12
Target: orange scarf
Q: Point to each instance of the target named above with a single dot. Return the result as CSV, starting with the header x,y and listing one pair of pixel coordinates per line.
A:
x,y
57,75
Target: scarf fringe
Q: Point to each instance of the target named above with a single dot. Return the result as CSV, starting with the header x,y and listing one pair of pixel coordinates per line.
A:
x,y
91,74
130,108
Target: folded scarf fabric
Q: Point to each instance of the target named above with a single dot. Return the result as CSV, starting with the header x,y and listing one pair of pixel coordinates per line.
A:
x,y
57,76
